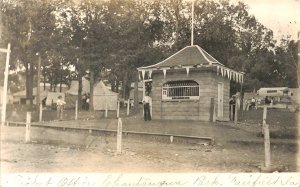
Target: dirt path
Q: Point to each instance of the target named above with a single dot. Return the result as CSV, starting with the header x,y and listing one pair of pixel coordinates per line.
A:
x,y
64,151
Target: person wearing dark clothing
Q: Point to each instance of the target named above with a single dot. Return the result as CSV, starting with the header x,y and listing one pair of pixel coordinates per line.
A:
x,y
232,107
267,100
84,97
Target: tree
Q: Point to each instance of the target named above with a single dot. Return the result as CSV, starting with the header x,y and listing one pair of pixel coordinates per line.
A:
x,y
135,26
29,25
97,36
286,62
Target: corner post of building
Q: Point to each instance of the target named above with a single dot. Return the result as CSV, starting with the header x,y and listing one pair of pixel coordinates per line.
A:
x,y
242,97
144,88
136,93
212,110
144,92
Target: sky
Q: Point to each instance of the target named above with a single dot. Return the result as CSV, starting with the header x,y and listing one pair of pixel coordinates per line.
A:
x,y
281,16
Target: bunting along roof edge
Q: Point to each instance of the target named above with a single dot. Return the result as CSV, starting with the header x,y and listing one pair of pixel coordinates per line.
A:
x,y
219,70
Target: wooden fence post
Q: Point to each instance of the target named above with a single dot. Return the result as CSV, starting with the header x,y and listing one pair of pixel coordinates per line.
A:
x,y
106,110
119,136
76,109
171,139
28,126
266,139
118,109
41,113
128,105
235,113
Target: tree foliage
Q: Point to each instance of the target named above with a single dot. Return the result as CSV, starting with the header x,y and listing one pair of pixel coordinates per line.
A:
x,y
119,36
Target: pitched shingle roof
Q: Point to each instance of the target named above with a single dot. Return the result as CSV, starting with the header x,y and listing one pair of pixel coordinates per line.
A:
x,y
191,57
188,56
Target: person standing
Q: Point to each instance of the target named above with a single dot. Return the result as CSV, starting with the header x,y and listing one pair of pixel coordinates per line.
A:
x,y
253,103
147,101
232,103
84,97
88,102
60,103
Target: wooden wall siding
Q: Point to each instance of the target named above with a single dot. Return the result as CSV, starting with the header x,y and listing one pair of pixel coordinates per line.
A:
x,y
193,110
226,96
174,109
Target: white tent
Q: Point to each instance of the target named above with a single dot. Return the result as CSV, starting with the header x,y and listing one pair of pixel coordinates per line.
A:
x,y
53,96
103,96
72,94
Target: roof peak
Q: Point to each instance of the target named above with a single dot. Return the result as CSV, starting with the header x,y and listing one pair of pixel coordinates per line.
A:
x,y
188,56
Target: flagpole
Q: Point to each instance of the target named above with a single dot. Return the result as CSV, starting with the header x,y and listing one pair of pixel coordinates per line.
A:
x,y
192,29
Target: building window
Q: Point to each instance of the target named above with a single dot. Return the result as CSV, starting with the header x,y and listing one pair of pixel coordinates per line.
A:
x,y
184,89
271,91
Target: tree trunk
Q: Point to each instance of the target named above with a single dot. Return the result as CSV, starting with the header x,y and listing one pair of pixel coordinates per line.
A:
x,y
112,86
60,85
38,94
51,85
27,79
44,72
128,88
117,86
124,86
79,89
124,89
136,92
29,82
91,103
61,79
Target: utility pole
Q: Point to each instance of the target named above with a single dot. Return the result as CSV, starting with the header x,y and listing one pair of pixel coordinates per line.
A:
x,y
4,100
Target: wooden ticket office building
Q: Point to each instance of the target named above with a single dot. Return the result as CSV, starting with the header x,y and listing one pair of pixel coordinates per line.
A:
x,y
190,85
